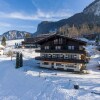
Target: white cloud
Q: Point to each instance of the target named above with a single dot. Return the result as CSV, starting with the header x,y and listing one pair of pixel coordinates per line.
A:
x,y
25,26
8,25
15,15
39,15
5,24
56,14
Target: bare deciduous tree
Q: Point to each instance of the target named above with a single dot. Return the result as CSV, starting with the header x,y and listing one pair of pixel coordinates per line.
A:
x,y
10,54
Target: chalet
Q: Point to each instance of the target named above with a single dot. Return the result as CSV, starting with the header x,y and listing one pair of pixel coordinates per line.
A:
x,y
31,41
61,52
1,49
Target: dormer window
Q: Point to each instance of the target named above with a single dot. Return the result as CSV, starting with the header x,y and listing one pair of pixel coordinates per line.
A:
x,y
60,41
56,41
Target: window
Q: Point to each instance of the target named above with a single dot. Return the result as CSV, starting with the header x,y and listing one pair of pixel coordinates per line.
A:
x,y
71,47
54,56
46,63
45,55
46,47
60,41
58,64
75,65
71,65
66,56
75,56
49,55
70,56
61,55
80,48
55,41
58,47
42,55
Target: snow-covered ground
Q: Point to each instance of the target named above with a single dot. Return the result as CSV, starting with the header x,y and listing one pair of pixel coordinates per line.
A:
x,y
25,83
12,42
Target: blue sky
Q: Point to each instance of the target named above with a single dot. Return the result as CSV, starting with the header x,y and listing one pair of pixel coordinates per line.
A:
x,y
25,15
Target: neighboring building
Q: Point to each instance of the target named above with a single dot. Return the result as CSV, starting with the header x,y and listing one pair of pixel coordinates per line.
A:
x,y
92,36
30,42
60,52
1,49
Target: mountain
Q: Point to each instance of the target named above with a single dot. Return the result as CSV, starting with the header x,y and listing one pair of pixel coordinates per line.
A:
x,y
90,15
14,34
93,8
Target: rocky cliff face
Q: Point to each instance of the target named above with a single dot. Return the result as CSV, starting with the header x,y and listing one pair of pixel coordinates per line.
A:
x,y
93,8
90,15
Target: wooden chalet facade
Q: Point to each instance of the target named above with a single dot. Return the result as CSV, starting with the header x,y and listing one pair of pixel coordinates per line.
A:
x,y
29,43
60,52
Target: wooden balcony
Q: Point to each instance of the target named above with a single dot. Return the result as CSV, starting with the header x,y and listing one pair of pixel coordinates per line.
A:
x,y
61,51
60,60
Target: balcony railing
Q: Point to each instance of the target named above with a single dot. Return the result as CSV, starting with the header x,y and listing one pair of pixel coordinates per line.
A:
x,y
38,49
61,51
60,60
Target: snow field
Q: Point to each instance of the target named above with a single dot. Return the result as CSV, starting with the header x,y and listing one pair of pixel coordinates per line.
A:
x,y
25,83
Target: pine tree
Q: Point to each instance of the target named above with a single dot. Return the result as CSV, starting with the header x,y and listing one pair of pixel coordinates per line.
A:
x,y
21,60
3,42
17,60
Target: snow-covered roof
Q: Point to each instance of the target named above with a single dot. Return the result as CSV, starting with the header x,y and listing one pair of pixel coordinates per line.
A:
x,y
1,46
84,39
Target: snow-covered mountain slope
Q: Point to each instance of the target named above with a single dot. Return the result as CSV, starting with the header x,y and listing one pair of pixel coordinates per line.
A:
x,y
14,34
93,8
